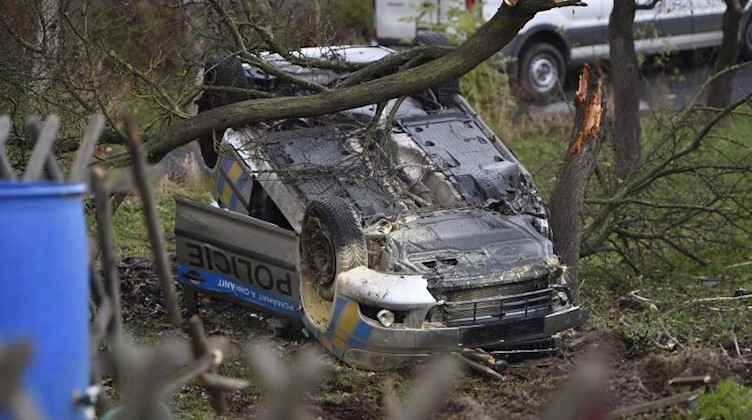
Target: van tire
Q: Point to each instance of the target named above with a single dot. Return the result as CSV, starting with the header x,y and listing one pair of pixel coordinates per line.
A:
x,y
540,75
331,242
746,43
449,89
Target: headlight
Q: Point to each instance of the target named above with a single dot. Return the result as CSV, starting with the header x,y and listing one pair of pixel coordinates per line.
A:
x,y
385,317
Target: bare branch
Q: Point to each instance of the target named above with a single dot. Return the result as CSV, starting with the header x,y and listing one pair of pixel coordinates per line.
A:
x,y
646,6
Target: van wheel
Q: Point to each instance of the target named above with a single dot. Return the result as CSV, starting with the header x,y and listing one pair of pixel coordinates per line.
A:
x,y
331,242
746,46
447,90
540,74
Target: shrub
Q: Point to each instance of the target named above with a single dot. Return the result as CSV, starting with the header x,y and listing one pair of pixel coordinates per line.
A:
x,y
729,401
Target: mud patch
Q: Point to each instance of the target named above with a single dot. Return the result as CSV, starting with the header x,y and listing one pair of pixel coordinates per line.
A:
x,y
140,293
658,370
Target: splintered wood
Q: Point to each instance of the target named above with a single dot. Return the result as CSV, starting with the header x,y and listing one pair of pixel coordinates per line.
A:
x,y
592,110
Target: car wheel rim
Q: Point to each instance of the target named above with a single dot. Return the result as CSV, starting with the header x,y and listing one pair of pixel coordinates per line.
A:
x,y
543,73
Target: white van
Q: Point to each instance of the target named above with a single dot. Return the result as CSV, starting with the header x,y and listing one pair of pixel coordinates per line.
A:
x,y
558,39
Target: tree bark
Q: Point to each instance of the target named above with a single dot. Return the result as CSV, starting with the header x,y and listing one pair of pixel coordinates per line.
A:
x,y
488,40
719,93
48,40
569,190
625,82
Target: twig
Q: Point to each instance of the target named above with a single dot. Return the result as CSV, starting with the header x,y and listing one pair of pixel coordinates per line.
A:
x,y
233,89
13,399
42,148
478,366
690,380
6,169
634,294
736,344
34,128
106,241
665,331
722,299
200,347
86,148
190,372
156,236
743,264
213,380
724,350
654,405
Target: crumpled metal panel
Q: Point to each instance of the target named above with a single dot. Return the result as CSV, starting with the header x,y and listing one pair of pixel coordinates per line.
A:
x,y
459,246
480,170
320,161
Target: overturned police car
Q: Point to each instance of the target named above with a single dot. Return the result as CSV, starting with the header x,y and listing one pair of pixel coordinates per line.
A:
x,y
392,232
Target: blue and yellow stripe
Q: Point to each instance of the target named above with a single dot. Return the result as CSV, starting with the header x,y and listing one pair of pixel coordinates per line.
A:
x,y
232,187
347,329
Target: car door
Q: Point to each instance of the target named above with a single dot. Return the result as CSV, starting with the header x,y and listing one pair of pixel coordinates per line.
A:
x,y
587,27
664,28
707,23
237,257
584,28
395,20
401,20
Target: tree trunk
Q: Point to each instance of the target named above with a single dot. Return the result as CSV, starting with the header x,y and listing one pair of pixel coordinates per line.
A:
x,y
488,40
48,40
625,82
719,93
569,190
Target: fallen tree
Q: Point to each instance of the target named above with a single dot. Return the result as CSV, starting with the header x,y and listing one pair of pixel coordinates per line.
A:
x,y
488,40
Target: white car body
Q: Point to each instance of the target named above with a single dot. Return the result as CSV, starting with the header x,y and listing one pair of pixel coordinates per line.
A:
x,y
577,34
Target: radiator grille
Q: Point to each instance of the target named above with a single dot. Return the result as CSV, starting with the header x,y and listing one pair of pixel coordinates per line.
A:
x,y
496,308
498,290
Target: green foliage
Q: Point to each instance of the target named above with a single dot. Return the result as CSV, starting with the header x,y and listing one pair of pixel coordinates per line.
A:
x,y
729,401
485,87
355,16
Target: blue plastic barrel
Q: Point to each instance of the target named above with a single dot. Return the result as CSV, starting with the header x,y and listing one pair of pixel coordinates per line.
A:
x,y
44,275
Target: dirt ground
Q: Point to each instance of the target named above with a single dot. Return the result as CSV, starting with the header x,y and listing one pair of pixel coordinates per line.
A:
x,y
526,390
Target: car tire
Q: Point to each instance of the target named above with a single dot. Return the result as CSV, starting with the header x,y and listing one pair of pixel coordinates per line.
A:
x,y
331,242
540,74
219,70
746,43
448,89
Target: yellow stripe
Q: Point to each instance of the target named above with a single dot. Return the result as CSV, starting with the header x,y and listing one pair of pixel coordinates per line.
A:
x,y
348,320
235,172
227,194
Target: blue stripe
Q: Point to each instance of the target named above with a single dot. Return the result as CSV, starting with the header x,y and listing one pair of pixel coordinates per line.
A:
x,y
219,187
242,181
233,201
361,335
227,165
338,308
216,283
239,184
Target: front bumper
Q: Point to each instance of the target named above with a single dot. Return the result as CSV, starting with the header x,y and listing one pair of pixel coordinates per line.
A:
x,y
364,343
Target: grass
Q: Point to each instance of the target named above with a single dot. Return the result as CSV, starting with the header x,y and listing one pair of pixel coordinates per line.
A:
x,y
728,401
130,229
